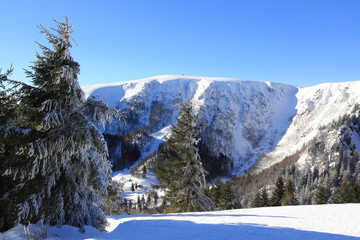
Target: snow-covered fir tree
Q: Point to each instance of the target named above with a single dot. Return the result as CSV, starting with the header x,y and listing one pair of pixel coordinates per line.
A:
x,y
180,169
61,167
10,138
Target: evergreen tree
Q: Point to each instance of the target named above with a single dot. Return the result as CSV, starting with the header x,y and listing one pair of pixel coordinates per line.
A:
x,y
228,199
215,192
60,167
180,169
132,187
148,201
222,195
10,137
278,193
265,198
350,193
6,101
320,196
139,204
257,201
289,194
261,199
144,171
112,203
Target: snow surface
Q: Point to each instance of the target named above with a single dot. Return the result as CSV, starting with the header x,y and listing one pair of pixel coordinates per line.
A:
x,y
144,184
314,222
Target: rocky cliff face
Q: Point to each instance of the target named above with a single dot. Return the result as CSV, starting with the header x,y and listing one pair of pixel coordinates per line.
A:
x,y
248,122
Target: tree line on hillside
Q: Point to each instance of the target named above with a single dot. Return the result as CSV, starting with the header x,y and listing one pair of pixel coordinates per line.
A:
x,y
284,195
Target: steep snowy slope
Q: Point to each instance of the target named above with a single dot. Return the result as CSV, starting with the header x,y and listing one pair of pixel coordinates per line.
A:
x,y
244,119
317,107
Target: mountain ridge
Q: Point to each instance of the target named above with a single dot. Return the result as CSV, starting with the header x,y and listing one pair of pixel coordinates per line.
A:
x,y
245,119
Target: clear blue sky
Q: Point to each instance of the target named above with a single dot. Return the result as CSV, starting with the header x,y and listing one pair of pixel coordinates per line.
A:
x,y
300,42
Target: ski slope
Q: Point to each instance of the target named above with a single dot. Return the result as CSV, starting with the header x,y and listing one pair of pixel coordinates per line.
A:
x,y
315,222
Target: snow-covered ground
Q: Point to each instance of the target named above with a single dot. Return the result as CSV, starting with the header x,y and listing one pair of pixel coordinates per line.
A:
x,y
145,185
320,222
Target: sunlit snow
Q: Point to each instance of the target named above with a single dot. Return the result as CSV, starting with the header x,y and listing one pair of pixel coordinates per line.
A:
x,y
315,222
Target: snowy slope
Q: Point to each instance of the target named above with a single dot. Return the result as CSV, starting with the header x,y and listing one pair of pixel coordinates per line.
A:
x,y
320,222
144,185
244,118
317,107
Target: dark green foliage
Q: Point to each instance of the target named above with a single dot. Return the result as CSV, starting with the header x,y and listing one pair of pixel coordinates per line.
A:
x,y
265,198
228,199
222,195
54,165
278,193
179,168
7,101
350,193
289,194
321,196
257,200
215,192
261,199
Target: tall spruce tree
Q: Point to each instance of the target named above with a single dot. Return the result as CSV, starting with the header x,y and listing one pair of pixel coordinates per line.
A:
x,y
61,167
278,193
265,197
181,170
257,201
289,194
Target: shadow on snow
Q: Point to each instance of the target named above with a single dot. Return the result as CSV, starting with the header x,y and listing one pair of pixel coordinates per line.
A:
x,y
173,229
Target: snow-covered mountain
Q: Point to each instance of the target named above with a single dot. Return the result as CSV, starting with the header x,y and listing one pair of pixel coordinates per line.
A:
x,y
248,122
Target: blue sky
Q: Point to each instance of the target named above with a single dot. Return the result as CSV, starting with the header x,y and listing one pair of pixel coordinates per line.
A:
x,y
299,42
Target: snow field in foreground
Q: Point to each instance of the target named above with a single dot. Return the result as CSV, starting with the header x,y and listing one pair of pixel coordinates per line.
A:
x,y
320,222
